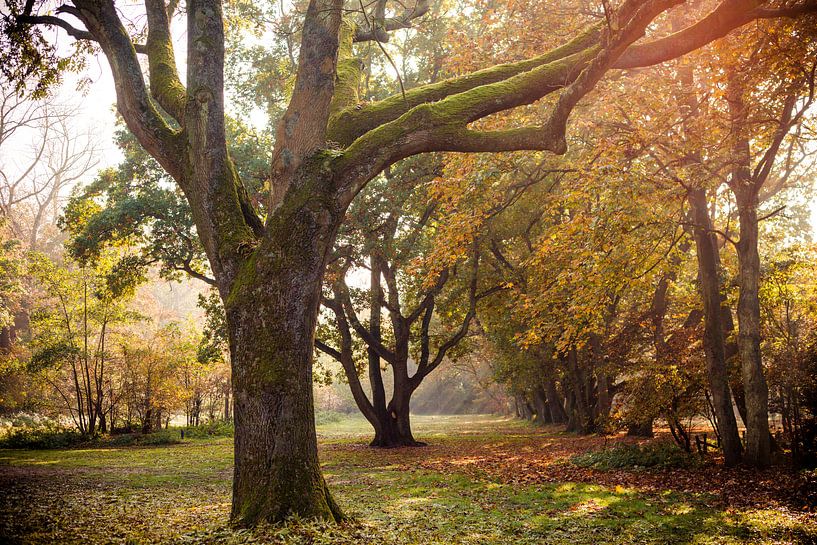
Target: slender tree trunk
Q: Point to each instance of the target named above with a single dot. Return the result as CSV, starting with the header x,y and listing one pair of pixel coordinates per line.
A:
x,y
758,439
227,404
602,386
713,328
384,432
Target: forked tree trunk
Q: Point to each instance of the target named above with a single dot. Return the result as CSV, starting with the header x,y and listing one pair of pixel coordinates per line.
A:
x,y
395,425
713,328
272,312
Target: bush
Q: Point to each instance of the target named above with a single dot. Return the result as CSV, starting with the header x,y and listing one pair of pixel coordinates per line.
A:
x,y
160,437
44,437
213,429
49,435
328,417
658,455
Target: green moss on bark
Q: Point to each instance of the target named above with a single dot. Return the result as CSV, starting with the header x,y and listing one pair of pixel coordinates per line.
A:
x,y
353,122
349,70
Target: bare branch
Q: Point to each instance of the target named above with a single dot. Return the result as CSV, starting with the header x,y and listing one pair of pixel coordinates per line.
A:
x,y
379,26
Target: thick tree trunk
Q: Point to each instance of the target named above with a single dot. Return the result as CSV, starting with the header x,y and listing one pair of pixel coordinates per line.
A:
x,y
713,328
395,424
272,311
603,400
6,339
758,439
523,407
573,421
583,421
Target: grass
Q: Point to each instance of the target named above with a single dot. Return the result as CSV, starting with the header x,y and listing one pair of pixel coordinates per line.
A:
x,y
181,493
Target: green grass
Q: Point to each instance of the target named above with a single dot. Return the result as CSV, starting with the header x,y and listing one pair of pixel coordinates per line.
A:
x,y
181,494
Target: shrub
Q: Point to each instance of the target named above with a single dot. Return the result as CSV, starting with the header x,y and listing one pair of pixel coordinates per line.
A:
x,y
42,437
49,435
160,437
657,455
328,417
213,429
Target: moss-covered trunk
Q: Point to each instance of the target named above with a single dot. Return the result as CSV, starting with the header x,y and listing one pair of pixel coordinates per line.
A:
x,y
272,312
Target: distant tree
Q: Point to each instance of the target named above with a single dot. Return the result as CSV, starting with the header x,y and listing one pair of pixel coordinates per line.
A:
x,y
388,234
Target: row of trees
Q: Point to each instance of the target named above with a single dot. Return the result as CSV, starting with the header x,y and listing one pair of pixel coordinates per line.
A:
x,y
628,269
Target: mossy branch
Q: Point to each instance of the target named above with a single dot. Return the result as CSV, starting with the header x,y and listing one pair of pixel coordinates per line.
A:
x,y
356,121
132,99
165,85
349,70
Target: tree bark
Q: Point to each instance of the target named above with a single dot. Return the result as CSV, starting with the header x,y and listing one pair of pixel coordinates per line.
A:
x,y
543,416
758,439
396,423
706,249
555,403
272,312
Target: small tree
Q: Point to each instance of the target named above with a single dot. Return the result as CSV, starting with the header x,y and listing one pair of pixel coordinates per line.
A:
x,y
72,330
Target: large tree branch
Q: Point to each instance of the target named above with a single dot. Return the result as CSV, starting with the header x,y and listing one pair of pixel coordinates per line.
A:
x,y
225,222
727,16
302,129
730,14
353,122
442,126
74,32
165,85
132,99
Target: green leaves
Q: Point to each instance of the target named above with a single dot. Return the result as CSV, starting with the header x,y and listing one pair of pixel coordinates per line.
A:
x,y
52,355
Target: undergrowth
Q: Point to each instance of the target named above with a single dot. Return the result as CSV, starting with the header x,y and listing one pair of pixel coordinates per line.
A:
x,y
663,455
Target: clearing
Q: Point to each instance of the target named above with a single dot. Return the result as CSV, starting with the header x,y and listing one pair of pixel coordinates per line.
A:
x,y
483,479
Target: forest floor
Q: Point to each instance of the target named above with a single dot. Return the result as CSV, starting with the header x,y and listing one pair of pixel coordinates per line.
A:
x,y
482,479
